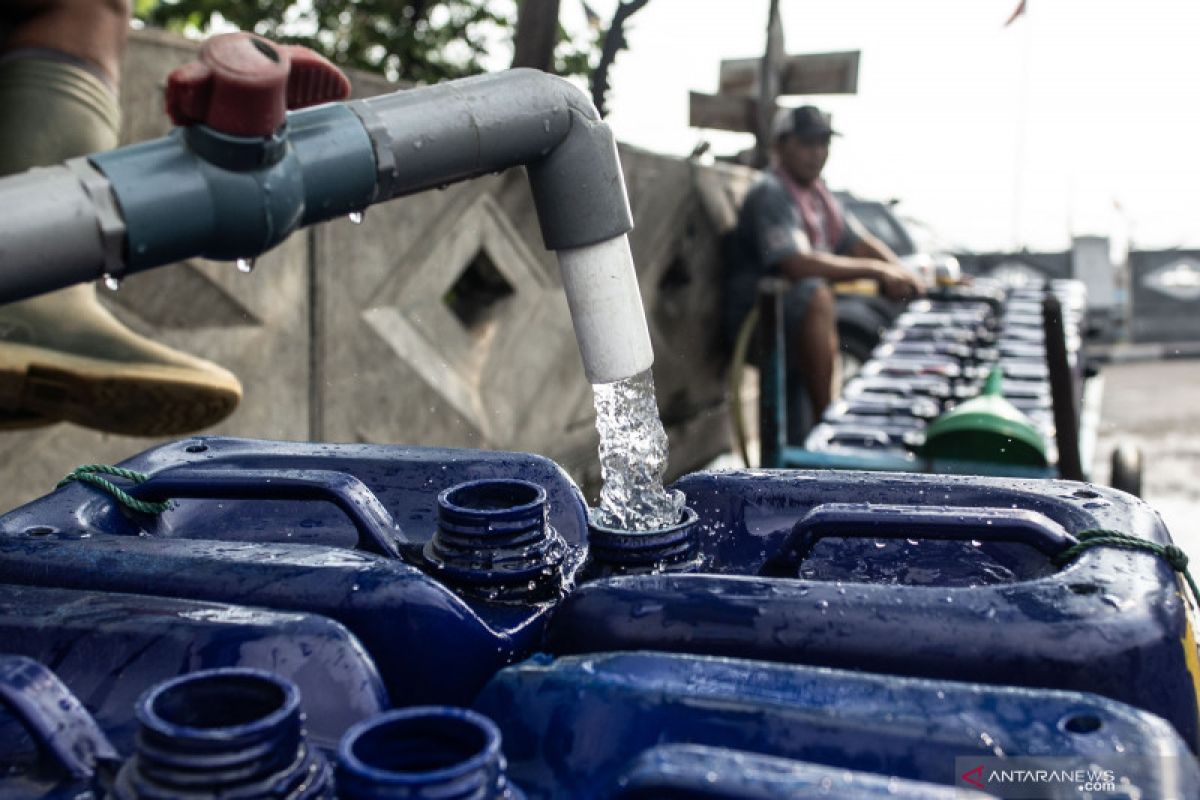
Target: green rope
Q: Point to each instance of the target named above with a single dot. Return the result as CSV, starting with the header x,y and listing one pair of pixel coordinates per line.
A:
x,y
1101,537
91,473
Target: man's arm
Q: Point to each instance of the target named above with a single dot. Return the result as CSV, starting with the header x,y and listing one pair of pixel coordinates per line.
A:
x,y
868,246
833,268
895,281
91,30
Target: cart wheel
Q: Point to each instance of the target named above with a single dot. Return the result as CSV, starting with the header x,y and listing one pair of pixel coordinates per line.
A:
x,y
1127,469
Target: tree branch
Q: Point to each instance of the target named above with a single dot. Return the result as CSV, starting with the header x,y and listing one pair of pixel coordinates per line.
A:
x,y
614,42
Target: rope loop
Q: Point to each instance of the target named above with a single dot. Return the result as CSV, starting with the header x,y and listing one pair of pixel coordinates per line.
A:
x,y
92,474
1103,537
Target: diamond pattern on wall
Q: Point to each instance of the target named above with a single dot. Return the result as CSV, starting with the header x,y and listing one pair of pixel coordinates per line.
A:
x,y
1178,280
446,303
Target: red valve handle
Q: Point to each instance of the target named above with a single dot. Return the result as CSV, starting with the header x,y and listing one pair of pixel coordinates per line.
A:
x,y
244,84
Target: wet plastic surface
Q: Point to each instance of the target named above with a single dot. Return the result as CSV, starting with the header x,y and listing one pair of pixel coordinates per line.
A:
x,y
574,726
312,562
302,553
909,600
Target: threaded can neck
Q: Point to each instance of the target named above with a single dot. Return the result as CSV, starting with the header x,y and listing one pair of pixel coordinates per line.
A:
x,y
494,541
612,551
223,731
424,753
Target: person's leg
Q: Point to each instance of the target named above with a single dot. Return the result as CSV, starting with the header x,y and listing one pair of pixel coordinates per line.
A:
x,y
63,356
813,345
90,31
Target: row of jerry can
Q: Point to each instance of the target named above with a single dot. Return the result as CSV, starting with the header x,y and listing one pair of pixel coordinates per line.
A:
x,y
909,403
627,725
306,620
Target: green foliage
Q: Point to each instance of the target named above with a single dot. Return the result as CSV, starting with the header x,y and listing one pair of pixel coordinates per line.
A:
x,y
422,41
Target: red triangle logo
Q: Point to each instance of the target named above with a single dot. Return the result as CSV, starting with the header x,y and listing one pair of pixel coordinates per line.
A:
x,y
977,773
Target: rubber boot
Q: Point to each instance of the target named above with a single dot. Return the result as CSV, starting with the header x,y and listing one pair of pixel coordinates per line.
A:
x,y
63,356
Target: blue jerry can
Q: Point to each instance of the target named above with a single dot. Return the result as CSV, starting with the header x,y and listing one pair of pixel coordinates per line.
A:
x,y
109,648
720,773
620,725
933,576
599,726
355,533
50,747
437,568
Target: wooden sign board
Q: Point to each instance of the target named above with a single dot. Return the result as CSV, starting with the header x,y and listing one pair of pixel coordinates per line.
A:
x,y
809,73
722,112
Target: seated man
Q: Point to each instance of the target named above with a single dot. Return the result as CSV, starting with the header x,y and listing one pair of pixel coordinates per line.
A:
x,y
63,356
791,226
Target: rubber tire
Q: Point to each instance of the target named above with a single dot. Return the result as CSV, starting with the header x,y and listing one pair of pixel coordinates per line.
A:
x,y
1126,472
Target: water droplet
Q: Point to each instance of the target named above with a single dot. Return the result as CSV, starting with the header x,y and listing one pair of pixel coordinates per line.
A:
x,y
245,265
111,282
356,217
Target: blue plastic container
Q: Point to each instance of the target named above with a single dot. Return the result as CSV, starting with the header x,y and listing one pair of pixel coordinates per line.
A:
x,y
589,727
110,648
936,576
50,747
437,568
342,531
691,772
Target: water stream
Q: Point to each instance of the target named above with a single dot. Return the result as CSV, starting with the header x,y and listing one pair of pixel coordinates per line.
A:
x,y
633,457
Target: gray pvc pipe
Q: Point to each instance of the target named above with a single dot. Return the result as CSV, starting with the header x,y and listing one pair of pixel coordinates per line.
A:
x,y
53,229
61,225
440,134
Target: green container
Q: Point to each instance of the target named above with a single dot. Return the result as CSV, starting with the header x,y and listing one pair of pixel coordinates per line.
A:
x,y
986,428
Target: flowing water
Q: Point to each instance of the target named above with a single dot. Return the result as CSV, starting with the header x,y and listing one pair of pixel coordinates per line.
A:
x,y
633,457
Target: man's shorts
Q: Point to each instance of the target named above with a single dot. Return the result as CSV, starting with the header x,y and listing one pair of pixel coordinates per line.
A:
x,y
796,301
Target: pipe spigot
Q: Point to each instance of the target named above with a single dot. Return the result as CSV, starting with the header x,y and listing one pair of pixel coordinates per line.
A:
x,y
244,85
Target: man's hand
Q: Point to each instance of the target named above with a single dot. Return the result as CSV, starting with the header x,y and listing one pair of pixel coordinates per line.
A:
x,y
898,283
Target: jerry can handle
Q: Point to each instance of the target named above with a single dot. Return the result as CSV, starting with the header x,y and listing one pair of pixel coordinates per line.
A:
x,y
53,716
377,532
894,521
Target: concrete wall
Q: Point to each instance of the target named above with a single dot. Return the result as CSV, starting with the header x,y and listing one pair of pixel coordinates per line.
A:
x,y
371,333
1165,295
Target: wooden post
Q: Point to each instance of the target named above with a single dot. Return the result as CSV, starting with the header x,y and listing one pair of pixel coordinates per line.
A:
x,y
768,85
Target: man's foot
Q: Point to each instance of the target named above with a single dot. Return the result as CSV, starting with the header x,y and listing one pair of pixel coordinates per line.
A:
x,y
65,357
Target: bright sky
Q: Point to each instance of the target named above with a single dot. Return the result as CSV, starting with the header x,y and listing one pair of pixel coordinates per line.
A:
x,y
1104,122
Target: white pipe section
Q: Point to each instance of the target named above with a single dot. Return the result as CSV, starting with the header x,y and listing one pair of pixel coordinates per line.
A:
x,y
606,310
